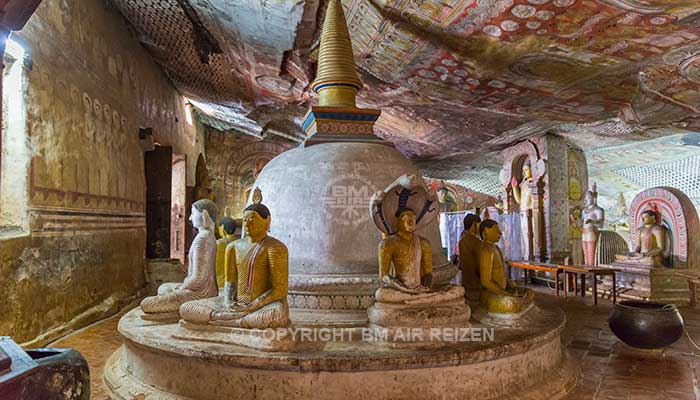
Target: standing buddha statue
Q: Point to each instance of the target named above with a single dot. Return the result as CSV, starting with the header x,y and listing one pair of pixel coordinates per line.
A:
x,y
522,194
200,282
593,220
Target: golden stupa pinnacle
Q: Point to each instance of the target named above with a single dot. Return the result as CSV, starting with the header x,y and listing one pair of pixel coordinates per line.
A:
x,y
336,80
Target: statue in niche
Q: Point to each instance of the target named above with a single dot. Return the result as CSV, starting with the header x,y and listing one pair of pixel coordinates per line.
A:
x,y
522,194
498,295
446,200
469,245
200,282
593,220
227,231
652,247
256,279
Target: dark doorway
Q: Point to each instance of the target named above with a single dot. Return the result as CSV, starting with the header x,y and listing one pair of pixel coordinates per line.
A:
x,y
159,165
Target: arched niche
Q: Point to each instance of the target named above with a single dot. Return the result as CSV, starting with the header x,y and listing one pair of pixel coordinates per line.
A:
x,y
676,212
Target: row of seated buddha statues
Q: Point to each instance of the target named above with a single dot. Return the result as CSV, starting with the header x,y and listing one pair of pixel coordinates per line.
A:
x,y
255,284
255,276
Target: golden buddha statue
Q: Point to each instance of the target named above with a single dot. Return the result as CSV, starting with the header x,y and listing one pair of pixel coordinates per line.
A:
x,y
499,295
227,231
469,245
200,282
410,255
406,297
652,244
256,279
522,194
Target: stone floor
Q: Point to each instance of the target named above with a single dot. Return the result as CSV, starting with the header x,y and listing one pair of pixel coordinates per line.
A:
x,y
609,370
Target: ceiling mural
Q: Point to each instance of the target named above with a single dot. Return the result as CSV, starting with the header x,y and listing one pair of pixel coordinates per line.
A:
x,y
456,80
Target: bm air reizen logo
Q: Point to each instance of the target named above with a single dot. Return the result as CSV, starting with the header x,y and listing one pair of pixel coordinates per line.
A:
x,y
346,199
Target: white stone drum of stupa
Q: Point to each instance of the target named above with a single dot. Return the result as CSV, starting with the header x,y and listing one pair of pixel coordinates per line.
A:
x,y
319,200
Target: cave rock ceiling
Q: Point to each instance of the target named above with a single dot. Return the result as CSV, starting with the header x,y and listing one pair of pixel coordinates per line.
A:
x,y
455,79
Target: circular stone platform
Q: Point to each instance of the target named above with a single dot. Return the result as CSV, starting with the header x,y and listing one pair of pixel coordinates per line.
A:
x,y
519,364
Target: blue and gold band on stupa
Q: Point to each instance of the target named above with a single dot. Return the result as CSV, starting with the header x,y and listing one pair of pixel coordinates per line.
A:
x,y
337,118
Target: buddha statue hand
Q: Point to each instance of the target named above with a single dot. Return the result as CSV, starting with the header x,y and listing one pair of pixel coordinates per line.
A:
x,y
396,284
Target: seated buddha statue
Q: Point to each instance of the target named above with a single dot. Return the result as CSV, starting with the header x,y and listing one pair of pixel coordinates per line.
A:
x,y
499,295
256,279
227,230
406,297
200,282
651,247
469,245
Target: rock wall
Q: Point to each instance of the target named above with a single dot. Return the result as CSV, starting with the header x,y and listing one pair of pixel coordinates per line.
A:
x,y
90,86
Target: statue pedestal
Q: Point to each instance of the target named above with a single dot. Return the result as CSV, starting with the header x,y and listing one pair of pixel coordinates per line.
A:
x,y
422,326
518,320
163,318
637,281
499,363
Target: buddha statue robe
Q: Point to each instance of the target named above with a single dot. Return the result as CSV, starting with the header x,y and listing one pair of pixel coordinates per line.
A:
x,y
499,295
200,282
651,249
256,283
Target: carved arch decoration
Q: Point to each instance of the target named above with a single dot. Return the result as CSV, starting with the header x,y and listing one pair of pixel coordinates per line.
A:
x,y
676,212
242,168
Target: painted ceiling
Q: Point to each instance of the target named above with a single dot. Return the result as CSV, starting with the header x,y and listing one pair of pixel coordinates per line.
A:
x,y
455,79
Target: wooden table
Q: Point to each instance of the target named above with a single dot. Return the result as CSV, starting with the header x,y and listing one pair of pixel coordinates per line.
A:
x,y
584,270
544,267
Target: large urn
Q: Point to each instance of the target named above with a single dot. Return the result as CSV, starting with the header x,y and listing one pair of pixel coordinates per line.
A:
x,y
645,324
319,200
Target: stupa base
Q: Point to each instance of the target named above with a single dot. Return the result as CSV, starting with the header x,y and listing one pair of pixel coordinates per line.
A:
x,y
261,339
524,364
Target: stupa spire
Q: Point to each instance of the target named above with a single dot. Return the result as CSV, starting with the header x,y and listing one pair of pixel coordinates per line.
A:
x,y
336,118
336,80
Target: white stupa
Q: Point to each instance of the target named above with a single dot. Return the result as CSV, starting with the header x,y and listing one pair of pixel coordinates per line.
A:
x,y
319,194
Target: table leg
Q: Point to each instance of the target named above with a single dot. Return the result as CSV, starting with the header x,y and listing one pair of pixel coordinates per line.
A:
x,y
583,285
575,279
595,290
566,283
556,281
614,287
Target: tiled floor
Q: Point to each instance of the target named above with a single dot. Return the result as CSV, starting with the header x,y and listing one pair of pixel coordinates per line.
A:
x,y
609,370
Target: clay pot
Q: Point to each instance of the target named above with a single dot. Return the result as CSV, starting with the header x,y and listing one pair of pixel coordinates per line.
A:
x,y
645,324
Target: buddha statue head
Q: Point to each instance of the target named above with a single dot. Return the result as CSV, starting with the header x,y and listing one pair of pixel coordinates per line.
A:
x,y
405,220
203,214
527,171
227,227
442,192
649,217
256,218
591,197
471,223
489,231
